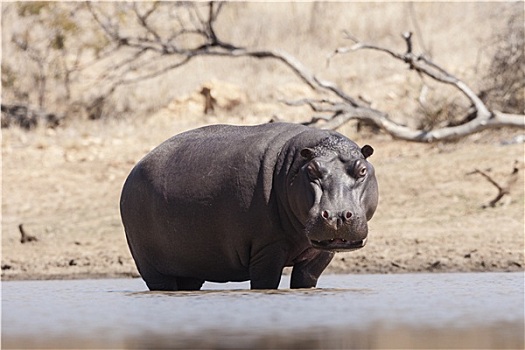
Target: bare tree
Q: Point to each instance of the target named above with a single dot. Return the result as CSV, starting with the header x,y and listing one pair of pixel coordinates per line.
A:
x,y
191,33
478,117
42,57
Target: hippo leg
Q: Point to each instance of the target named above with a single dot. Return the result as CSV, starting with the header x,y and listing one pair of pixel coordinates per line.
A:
x,y
189,283
162,284
169,283
156,280
306,272
267,266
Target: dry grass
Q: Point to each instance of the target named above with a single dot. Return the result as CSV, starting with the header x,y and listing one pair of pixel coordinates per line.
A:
x,y
450,32
64,184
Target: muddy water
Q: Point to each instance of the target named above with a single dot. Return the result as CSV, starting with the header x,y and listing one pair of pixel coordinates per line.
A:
x,y
484,310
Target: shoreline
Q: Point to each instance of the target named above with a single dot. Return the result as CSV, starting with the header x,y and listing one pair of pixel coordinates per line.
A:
x,y
430,216
134,275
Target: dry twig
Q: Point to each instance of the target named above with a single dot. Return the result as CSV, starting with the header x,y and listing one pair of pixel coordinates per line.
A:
x,y
502,189
24,237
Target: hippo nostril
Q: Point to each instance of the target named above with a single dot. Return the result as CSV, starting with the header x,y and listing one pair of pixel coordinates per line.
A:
x,y
348,215
325,214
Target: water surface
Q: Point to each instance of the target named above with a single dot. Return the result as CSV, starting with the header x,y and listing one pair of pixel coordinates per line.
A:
x,y
481,310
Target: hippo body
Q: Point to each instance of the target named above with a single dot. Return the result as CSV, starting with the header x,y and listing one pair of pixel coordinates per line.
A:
x,y
235,203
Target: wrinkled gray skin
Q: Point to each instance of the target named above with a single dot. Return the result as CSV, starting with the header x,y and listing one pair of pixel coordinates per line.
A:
x,y
235,203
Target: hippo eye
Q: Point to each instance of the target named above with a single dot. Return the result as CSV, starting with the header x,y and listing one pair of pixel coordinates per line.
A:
x,y
315,170
361,169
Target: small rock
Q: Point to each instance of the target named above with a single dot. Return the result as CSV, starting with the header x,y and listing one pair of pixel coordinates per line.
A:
x,y
469,254
514,140
435,265
397,265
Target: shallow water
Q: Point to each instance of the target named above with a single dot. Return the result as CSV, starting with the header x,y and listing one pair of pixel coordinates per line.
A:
x,y
483,310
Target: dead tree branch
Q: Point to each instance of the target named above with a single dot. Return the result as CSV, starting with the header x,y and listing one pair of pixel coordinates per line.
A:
x,y
24,237
502,189
154,55
484,118
150,42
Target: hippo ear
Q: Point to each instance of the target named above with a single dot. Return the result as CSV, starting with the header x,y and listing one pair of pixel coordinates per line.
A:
x,y
367,151
307,153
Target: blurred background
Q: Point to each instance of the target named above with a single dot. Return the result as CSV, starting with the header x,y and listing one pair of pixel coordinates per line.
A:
x,y
89,88
58,58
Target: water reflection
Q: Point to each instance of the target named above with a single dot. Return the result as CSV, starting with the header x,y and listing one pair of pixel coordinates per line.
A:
x,y
484,310
379,336
235,293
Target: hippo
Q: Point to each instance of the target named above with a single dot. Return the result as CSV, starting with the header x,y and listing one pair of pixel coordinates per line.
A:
x,y
225,203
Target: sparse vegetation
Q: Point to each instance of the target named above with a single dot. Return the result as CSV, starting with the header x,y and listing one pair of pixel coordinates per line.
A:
x,y
131,43
505,79
63,184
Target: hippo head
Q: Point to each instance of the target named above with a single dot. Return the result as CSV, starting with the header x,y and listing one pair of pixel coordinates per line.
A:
x,y
334,193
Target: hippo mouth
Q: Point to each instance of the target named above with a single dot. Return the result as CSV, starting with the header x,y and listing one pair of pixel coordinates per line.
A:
x,y
338,244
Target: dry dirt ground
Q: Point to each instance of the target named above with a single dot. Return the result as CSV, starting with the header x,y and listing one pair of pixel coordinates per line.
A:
x,y
63,185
